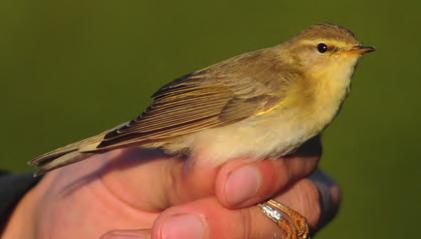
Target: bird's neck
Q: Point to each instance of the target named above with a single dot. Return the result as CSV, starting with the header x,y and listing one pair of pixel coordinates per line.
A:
x,y
330,89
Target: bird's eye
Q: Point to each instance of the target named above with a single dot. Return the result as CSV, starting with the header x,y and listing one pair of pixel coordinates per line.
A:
x,y
322,48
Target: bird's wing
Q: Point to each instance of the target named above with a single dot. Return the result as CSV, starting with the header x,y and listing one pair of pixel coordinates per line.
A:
x,y
222,94
233,90
190,104
225,93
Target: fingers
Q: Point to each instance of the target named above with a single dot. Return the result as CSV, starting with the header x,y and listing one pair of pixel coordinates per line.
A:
x,y
317,198
205,219
161,181
330,196
208,219
241,183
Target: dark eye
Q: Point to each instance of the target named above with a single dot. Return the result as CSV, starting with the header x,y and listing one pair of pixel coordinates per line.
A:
x,y
322,48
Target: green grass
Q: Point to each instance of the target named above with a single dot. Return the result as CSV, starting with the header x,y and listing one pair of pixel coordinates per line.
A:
x,y
69,69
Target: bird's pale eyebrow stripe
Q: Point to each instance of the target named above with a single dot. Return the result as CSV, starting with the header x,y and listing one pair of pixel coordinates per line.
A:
x,y
329,42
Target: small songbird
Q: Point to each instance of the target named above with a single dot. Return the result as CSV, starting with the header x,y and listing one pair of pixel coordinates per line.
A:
x,y
261,104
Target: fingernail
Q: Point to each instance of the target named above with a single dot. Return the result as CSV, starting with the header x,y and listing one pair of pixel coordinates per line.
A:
x,y
127,234
183,226
122,236
242,184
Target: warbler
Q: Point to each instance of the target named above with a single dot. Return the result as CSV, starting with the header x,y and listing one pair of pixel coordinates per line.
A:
x,y
260,104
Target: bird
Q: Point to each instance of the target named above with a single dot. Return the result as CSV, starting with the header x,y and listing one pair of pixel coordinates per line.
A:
x,y
260,104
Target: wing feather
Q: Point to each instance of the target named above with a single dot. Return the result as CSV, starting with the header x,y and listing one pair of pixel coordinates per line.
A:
x,y
233,90
221,94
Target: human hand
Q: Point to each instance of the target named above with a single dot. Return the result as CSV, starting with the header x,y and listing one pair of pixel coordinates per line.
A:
x,y
127,189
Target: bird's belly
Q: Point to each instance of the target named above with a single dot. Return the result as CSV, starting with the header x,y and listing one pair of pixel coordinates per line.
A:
x,y
254,139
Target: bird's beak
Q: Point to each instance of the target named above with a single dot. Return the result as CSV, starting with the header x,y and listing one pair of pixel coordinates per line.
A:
x,y
361,50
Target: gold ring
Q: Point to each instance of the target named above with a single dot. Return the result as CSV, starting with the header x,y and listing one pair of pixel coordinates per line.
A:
x,y
291,222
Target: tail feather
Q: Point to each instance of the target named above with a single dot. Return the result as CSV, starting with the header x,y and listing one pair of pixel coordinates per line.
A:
x,y
45,158
68,154
51,163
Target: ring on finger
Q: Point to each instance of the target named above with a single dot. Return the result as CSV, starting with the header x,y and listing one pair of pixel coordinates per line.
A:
x,y
291,222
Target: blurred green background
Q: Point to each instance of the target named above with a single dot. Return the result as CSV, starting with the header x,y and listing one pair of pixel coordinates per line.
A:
x,y
72,68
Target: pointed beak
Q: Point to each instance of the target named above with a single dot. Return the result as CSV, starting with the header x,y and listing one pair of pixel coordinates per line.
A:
x,y
361,50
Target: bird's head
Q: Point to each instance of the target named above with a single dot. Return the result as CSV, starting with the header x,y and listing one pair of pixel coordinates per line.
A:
x,y
324,48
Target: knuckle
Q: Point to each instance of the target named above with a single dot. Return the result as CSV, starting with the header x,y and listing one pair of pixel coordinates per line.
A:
x,y
311,202
329,200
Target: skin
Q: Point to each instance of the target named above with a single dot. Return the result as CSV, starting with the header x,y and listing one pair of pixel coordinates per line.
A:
x,y
107,196
172,198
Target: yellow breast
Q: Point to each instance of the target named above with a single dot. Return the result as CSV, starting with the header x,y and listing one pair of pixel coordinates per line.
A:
x,y
310,106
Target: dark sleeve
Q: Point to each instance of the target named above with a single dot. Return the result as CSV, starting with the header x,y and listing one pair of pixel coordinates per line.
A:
x,y
12,189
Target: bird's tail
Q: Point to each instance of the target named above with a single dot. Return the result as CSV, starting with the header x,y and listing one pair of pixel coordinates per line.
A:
x,y
53,163
69,154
